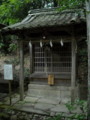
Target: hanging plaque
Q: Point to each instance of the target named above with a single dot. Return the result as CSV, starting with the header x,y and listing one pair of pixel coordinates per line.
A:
x,y
8,72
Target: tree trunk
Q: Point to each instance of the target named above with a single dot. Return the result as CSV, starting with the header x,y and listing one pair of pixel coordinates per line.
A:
x,y
88,39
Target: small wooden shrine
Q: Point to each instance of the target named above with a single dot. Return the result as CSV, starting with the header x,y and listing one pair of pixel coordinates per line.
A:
x,y
52,37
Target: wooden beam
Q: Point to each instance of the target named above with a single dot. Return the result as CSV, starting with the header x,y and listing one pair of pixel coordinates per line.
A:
x,y
21,82
73,70
53,38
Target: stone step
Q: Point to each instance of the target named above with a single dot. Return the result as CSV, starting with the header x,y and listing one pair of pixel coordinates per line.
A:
x,y
38,86
44,93
34,100
50,92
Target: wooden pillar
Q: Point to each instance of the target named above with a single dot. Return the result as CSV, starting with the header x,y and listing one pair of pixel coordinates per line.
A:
x,y
73,70
31,57
21,82
88,39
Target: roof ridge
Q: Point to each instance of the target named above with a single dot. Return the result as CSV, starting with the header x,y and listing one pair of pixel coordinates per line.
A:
x,y
42,10
52,10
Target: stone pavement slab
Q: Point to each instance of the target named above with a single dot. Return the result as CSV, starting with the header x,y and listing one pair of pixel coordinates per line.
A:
x,y
28,107
44,106
60,108
39,105
31,99
49,101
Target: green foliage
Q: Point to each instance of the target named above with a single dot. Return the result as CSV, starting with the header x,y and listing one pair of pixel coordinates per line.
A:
x,y
4,111
82,104
1,45
26,72
78,104
57,117
13,61
72,108
70,4
12,11
12,47
7,45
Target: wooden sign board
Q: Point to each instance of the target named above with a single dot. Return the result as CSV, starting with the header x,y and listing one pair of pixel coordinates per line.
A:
x,y
8,72
51,79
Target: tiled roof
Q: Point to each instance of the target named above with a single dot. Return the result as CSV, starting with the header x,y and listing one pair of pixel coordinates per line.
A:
x,y
48,18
